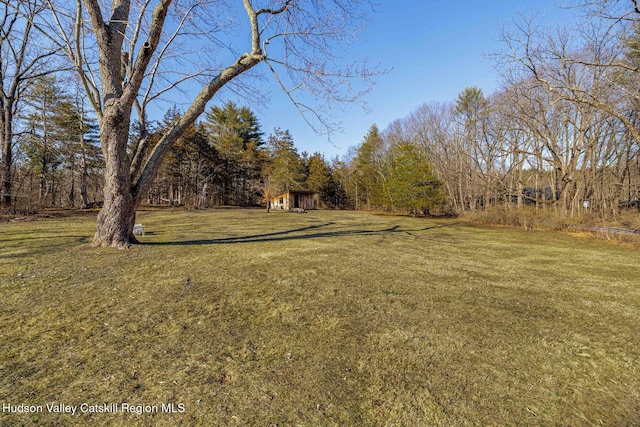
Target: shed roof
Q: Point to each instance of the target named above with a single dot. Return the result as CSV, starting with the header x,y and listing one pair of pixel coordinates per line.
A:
x,y
295,191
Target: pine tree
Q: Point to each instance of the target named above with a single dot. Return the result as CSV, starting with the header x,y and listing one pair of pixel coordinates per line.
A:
x,y
286,170
235,133
337,195
42,145
78,135
319,179
189,169
471,107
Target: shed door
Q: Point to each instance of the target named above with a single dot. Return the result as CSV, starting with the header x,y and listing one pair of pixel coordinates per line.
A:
x,y
296,201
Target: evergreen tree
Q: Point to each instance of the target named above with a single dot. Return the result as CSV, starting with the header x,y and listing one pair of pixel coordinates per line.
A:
x,y
337,195
42,145
79,137
61,145
318,173
190,169
471,108
367,168
471,104
236,135
286,171
170,176
411,184
319,178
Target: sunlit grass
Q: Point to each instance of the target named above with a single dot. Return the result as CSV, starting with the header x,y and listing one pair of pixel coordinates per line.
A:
x,y
325,318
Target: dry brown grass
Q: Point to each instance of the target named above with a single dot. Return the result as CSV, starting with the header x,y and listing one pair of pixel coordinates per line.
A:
x,y
326,318
617,228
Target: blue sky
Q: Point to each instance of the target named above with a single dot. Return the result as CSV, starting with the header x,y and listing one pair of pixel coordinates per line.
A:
x,y
434,50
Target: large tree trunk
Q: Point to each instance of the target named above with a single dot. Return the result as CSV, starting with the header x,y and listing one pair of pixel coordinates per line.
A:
x,y
118,214
116,218
127,181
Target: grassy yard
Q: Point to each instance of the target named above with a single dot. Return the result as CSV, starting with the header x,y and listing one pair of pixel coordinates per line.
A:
x,y
239,317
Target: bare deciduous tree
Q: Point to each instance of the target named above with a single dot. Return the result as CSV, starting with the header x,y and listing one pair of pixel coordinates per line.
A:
x,y
586,81
130,53
22,60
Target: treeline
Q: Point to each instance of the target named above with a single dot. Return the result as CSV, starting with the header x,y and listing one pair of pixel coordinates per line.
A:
x,y
561,135
225,159
56,159
50,151
384,173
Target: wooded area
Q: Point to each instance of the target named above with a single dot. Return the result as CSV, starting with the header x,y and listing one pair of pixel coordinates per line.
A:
x,y
223,160
561,134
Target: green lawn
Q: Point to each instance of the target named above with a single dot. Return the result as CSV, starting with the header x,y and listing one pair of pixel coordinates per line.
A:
x,y
318,319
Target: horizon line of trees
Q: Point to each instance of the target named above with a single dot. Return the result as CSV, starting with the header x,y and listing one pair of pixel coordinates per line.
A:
x,y
223,159
562,133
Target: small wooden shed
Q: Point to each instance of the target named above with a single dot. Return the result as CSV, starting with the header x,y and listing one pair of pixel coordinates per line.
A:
x,y
294,199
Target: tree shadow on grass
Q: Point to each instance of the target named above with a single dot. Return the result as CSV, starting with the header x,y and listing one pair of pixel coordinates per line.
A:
x,y
291,235
16,249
